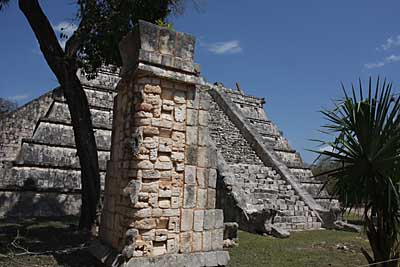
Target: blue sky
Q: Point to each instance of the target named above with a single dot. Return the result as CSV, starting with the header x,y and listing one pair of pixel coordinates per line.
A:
x,y
293,53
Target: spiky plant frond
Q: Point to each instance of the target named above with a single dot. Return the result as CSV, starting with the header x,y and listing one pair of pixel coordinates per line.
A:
x,y
366,126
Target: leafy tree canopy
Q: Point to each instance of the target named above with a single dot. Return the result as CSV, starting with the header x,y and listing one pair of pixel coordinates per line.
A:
x,y
103,23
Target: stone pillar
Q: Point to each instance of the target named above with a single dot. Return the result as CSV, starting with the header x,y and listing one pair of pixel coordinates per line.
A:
x,y
160,185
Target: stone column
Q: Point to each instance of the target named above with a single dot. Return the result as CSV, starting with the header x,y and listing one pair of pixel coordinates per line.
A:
x,y
159,206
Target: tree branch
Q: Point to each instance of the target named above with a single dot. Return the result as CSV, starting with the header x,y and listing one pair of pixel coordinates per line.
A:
x,y
45,35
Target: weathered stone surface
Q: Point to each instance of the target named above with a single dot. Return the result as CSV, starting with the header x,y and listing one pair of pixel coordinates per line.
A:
x,y
279,232
347,227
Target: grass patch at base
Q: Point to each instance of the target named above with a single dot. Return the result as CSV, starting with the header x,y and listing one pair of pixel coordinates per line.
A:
x,y
308,248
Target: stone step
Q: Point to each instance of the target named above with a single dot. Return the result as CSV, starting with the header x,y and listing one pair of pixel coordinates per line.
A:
x,y
43,179
96,98
68,123
54,156
63,135
101,118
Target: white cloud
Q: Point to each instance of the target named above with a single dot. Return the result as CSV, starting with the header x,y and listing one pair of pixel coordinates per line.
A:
x,y
18,97
388,60
228,47
374,65
391,42
393,58
66,28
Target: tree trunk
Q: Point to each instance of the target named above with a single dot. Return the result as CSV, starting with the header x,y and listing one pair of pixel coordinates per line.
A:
x,y
65,69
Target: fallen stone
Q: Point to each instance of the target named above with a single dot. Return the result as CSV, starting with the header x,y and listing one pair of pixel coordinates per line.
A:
x,y
279,232
341,225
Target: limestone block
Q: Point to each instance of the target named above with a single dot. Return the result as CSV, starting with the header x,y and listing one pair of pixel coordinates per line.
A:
x,y
145,224
143,213
144,107
204,136
143,114
180,113
171,212
152,89
212,178
173,245
198,220
167,117
207,241
211,198
165,193
203,117
176,191
202,177
179,126
144,164
153,200
219,219
151,187
150,142
185,242
190,174
168,105
156,212
197,241
174,224
205,101
164,204
161,235
154,100
191,135
148,235
180,97
191,155
201,198
202,157
151,174
217,237
163,165
189,196
159,249
178,156
192,99
187,220
178,139
132,190
191,117
175,202
162,222
162,123
165,144
209,219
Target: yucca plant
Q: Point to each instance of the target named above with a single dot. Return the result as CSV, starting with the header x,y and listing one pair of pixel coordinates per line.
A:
x,y
366,130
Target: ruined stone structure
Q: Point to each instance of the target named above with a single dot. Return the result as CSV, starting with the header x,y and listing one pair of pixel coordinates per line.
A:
x,y
39,169
160,191
262,182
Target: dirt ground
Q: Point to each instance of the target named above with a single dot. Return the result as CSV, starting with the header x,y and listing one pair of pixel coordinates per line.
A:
x,y
43,242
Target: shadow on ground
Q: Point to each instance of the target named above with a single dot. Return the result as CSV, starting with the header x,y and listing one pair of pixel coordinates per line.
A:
x,y
21,239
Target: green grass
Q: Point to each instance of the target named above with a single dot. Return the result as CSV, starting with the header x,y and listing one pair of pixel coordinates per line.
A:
x,y
309,248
